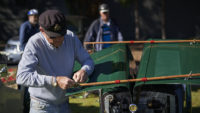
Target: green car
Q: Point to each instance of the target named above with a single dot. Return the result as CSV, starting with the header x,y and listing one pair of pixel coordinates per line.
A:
x,y
145,96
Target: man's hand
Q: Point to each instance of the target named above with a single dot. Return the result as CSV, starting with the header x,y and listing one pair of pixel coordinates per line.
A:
x,y
90,51
64,82
80,76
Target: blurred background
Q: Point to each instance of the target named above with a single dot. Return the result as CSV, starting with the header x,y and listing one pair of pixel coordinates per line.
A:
x,y
137,19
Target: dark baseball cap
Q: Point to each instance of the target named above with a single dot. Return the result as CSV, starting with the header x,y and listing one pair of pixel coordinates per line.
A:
x,y
53,22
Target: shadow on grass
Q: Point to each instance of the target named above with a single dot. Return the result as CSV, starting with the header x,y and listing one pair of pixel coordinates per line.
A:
x,y
77,108
195,87
195,109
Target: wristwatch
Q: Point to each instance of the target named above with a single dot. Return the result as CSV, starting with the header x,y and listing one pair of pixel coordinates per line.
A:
x,y
54,82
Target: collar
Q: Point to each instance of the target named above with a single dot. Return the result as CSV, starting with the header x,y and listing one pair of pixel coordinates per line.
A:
x,y
103,22
50,45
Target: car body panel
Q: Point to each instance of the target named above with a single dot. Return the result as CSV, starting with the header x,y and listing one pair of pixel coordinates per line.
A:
x,y
110,64
170,59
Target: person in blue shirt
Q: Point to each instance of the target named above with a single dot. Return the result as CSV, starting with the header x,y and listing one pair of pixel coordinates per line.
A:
x,y
47,64
102,29
28,28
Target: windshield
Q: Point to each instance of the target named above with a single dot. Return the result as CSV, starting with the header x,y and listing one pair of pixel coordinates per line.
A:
x,y
11,46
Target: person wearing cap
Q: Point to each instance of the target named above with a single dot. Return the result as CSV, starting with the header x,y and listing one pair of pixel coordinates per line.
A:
x,y
102,29
28,28
47,64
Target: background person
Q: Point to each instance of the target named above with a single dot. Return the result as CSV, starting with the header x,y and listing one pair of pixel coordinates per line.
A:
x,y
47,64
102,29
28,28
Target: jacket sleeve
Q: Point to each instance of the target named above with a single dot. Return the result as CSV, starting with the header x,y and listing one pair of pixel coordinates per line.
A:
x,y
22,33
27,74
120,37
118,34
83,57
91,34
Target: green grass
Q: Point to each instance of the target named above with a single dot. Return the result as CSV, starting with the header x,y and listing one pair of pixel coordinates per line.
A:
x,y
196,99
78,104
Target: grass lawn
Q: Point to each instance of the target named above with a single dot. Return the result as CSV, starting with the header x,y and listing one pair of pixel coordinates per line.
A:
x,y
196,99
79,104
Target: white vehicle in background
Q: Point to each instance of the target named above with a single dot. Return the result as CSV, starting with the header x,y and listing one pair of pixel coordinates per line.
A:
x,y
12,50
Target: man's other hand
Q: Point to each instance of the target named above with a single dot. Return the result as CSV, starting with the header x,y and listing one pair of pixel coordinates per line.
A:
x,y
80,76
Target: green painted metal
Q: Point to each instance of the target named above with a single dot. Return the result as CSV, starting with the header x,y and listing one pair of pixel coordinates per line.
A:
x,y
110,64
167,59
188,98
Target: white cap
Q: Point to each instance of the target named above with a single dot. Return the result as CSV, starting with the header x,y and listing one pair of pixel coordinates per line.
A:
x,y
104,8
32,12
